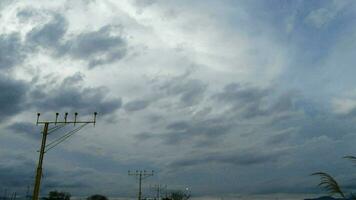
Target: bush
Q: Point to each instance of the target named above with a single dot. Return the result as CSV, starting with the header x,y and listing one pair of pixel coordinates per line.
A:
x,y
97,197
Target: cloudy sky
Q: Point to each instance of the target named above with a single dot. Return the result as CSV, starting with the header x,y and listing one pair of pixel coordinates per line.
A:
x,y
223,97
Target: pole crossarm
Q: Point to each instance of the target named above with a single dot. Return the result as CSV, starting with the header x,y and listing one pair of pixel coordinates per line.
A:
x,y
74,122
143,173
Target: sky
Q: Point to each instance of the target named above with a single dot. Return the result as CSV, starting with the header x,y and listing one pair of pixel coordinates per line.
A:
x,y
226,98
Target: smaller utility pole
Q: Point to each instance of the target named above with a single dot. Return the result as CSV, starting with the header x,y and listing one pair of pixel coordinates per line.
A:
x,y
141,175
158,189
5,194
28,193
13,196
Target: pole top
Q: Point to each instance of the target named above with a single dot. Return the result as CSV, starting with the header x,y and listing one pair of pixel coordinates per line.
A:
x,y
66,121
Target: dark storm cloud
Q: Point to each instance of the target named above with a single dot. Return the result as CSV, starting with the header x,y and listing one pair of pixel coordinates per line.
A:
x,y
17,173
279,138
55,183
25,128
236,93
12,97
251,102
26,14
183,131
144,3
48,35
98,47
70,95
189,91
136,105
241,158
285,118
11,51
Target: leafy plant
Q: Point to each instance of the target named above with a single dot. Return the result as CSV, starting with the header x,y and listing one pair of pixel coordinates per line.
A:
x,y
331,185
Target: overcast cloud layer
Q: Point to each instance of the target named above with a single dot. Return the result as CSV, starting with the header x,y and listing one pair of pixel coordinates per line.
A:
x,y
226,98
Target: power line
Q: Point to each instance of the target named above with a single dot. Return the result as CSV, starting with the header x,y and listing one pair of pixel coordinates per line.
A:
x,y
61,139
141,175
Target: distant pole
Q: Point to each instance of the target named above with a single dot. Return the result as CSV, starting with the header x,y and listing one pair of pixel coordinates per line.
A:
x,y
13,196
158,189
44,148
140,187
141,175
5,194
28,192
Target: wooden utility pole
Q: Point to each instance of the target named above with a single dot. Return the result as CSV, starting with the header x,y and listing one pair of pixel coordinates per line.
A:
x,y
45,148
141,175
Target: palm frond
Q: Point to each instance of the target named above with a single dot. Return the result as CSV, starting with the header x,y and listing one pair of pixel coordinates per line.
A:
x,y
351,158
329,184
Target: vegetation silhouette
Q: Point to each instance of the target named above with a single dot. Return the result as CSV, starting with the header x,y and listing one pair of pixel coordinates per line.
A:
x,y
331,185
177,195
55,195
97,197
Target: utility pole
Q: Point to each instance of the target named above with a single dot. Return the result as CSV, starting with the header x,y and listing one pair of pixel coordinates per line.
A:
x,y
5,194
45,148
141,175
28,193
13,196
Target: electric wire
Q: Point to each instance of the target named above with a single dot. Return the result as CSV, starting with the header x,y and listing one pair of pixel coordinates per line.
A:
x,y
55,128
61,139
65,136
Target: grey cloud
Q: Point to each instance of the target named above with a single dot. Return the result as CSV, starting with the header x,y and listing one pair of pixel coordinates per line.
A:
x,y
16,174
49,35
246,101
25,14
11,51
278,112
203,131
236,93
70,95
12,97
250,102
136,105
25,128
144,3
100,47
189,91
96,47
55,183
4,4
241,158
279,138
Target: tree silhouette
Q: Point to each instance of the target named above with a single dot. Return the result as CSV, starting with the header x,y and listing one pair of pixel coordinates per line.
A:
x,y
177,195
55,195
97,197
